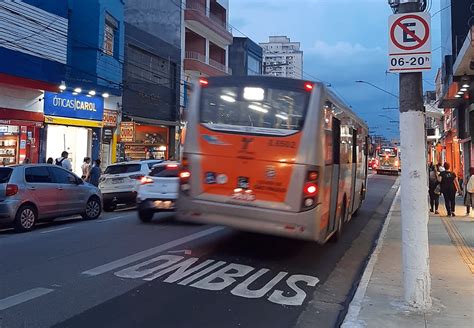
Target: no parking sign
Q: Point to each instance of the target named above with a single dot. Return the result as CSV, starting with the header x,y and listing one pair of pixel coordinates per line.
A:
x,y
409,42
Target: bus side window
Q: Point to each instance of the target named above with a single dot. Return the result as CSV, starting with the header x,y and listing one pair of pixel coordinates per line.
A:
x,y
336,141
355,147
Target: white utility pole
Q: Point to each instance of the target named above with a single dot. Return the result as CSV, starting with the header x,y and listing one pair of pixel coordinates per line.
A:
x,y
414,187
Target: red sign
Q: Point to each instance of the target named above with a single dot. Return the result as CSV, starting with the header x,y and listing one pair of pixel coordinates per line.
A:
x,y
127,132
418,41
110,117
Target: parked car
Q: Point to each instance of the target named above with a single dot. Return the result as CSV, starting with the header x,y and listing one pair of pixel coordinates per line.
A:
x,y
35,192
158,190
120,181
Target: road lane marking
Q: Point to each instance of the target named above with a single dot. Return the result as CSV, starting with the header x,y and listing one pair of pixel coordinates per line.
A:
x,y
238,279
54,230
23,297
111,219
149,252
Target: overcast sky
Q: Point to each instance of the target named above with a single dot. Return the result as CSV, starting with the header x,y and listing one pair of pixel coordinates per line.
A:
x,y
343,41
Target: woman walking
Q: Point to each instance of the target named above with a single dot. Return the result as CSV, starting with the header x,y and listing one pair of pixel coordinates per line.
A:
x,y
434,189
449,186
469,195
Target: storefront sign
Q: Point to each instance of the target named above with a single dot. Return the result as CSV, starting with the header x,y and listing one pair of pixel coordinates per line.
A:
x,y
127,132
110,117
66,104
107,134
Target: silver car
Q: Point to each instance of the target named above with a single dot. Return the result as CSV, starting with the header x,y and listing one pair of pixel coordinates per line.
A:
x,y
34,192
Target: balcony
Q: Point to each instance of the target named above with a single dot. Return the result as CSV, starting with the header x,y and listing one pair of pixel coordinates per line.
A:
x,y
207,21
195,61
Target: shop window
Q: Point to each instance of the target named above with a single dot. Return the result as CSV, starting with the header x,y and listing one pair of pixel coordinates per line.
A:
x,y
110,35
38,174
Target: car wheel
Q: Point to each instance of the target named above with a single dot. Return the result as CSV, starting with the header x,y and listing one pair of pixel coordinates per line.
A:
x,y
145,216
25,218
108,207
93,209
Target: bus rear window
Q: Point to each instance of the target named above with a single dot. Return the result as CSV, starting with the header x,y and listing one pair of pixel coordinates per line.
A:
x,y
253,109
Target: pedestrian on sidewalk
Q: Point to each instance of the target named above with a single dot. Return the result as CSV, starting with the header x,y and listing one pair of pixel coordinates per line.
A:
x,y
64,161
94,174
86,167
469,191
434,189
449,186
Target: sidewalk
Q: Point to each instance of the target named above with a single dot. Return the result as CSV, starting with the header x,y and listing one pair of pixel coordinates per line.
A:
x,y
378,301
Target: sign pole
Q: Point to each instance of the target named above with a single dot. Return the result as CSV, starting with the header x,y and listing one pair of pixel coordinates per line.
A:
x,y
414,204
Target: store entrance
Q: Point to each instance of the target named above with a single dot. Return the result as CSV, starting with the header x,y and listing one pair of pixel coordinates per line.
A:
x,y
75,140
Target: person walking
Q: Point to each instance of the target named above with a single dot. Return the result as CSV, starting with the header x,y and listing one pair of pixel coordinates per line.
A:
x,y
86,167
434,189
64,161
469,191
449,186
94,174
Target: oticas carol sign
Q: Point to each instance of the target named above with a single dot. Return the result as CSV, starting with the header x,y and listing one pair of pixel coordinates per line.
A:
x,y
66,104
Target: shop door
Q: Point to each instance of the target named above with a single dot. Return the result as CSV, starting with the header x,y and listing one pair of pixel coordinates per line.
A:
x,y
71,197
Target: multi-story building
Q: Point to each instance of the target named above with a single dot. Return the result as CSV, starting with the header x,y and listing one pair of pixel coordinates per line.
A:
x,y
206,38
55,77
151,79
456,79
245,57
283,58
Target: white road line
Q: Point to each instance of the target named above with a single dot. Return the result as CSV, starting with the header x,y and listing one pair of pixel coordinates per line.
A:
x,y
149,252
54,230
23,297
111,219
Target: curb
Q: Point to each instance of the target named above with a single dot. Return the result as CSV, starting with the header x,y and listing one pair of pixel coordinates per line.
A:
x,y
352,317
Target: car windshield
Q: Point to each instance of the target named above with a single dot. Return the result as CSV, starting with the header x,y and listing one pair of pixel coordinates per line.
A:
x,y
165,171
391,152
5,174
261,109
122,168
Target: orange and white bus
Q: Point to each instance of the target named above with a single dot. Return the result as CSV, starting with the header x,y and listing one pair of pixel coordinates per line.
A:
x,y
272,155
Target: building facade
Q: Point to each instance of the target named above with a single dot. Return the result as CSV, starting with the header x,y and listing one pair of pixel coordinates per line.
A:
x,y
207,37
56,79
151,79
33,60
456,81
245,57
283,58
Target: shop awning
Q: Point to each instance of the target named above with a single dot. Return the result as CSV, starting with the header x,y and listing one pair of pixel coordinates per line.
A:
x,y
463,66
151,121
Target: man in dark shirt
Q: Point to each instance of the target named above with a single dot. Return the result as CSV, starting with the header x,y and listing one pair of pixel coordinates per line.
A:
x,y
449,186
95,173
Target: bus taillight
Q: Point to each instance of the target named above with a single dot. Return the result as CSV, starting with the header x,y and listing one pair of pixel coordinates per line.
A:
x,y
310,190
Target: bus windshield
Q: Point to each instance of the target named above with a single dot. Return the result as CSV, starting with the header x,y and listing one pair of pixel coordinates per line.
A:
x,y
255,109
391,152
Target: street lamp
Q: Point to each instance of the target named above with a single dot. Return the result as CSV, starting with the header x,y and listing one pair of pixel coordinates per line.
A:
x,y
379,88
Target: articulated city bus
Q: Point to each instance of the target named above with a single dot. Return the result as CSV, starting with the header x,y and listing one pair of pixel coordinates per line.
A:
x,y
272,155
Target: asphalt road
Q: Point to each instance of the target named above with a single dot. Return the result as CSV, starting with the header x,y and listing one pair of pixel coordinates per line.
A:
x,y
118,272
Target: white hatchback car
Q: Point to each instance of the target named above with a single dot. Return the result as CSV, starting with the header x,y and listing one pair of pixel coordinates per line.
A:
x,y
158,190
120,181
